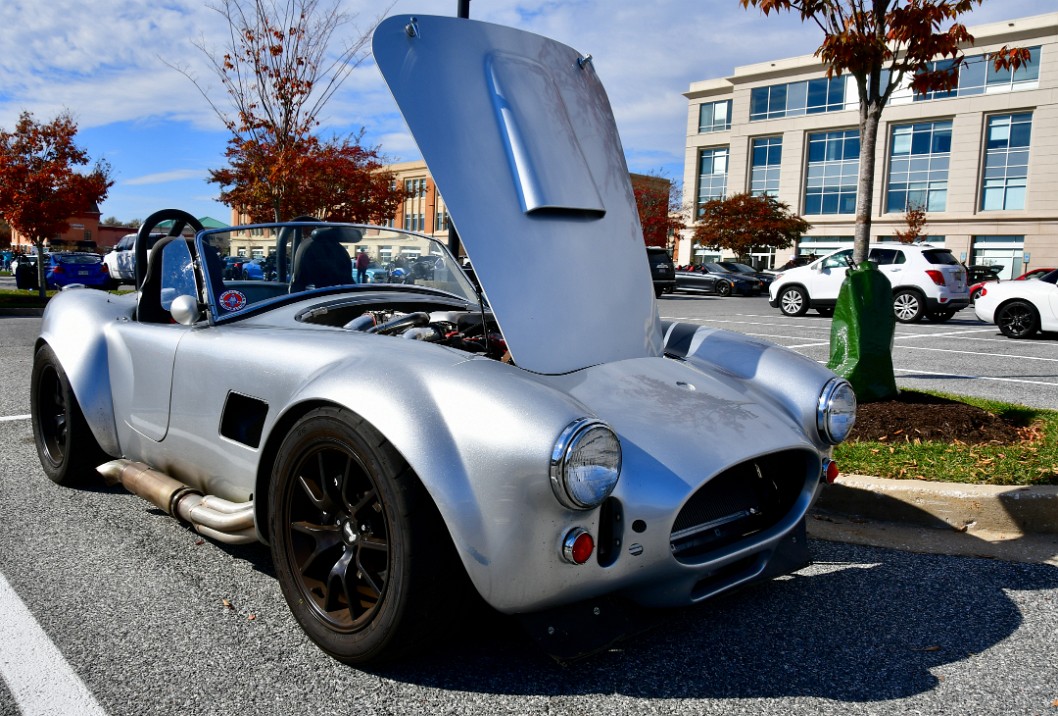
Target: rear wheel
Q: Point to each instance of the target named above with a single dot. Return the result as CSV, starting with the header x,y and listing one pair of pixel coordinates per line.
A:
x,y
825,312
361,553
793,301
67,449
908,306
658,290
1018,319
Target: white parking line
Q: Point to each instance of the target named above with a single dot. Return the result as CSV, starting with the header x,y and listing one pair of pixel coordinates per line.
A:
x,y
34,670
977,377
11,418
976,353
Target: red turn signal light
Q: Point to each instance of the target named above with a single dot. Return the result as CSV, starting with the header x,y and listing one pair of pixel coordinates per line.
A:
x,y
830,471
577,546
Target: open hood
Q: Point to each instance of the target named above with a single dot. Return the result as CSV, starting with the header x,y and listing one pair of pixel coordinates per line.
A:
x,y
519,137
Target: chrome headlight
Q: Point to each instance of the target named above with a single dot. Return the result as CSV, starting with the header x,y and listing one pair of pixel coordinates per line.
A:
x,y
836,414
585,464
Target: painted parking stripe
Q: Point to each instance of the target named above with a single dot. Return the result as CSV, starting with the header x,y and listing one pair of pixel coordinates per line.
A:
x,y
11,418
932,374
34,670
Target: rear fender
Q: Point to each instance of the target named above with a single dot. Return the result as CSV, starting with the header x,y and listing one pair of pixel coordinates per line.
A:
x,y
74,326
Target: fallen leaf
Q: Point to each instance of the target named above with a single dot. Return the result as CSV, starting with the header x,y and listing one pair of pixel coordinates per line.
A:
x,y
932,647
252,617
199,542
226,603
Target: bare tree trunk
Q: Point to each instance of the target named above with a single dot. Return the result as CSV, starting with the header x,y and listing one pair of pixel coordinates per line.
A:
x,y
869,121
42,269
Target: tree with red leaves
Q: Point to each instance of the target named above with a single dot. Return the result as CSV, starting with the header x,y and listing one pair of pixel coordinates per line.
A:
x,y
279,74
660,208
40,186
869,38
915,218
743,222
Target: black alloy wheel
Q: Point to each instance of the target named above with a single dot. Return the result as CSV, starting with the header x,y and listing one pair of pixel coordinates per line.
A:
x,y
724,288
358,545
1018,319
68,452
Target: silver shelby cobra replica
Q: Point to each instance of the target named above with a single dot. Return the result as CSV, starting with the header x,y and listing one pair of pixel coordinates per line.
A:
x,y
400,438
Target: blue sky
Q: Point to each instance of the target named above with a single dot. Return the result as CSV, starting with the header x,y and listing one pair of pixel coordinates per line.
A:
x,y
105,62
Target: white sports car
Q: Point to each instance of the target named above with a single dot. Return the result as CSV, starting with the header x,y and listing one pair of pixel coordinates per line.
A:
x,y
547,444
1020,308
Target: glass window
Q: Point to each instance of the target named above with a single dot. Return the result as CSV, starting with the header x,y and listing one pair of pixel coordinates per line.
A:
x,y
764,175
1006,162
833,170
714,116
712,175
919,155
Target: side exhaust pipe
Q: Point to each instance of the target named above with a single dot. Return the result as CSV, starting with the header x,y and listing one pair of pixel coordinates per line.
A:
x,y
211,516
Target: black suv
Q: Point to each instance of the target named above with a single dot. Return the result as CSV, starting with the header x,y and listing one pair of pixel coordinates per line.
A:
x,y
661,270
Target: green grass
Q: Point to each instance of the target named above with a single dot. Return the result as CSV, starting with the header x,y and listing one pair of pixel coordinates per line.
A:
x,y
1031,462
13,298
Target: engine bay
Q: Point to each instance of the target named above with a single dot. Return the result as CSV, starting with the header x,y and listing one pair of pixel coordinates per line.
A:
x,y
466,330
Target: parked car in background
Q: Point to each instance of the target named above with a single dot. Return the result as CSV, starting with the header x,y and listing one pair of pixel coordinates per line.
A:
x,y
406,450
746,270
662,272
70,267
1021,308
927,282
976,288
121,260
25,270
700,279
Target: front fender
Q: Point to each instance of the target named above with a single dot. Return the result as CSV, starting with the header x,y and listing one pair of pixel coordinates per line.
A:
x,y
479,436
74,325
789,380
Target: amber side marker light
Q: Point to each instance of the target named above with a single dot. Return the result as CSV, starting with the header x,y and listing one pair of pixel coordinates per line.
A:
x,y
578,546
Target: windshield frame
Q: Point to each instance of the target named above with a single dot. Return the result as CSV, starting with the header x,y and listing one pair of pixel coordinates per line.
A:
x,y
427,264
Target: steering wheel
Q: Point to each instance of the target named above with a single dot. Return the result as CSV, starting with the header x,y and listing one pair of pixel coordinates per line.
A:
x,y
179,218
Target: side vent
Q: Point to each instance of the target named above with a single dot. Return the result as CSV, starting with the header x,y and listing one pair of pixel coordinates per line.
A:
x,y
243,419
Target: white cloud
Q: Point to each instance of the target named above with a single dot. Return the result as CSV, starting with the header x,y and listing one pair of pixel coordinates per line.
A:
x,y
103,61
166,177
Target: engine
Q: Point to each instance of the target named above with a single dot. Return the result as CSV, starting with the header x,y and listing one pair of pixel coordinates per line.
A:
x,y
456,329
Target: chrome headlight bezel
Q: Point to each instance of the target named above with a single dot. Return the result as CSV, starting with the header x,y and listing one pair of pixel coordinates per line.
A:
x,y
581,485
836,411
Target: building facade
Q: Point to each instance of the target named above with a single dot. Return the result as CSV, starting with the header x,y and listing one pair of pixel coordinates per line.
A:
x,y
982,159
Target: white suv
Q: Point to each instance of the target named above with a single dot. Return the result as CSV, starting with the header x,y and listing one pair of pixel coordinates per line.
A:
x,y
927,282
121,260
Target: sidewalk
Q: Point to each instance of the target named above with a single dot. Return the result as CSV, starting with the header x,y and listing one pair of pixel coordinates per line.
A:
x,y
1011,523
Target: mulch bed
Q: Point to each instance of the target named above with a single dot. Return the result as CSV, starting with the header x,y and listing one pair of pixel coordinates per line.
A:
x,y
924,417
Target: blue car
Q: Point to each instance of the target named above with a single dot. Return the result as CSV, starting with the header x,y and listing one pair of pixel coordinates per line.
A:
x,y
80,267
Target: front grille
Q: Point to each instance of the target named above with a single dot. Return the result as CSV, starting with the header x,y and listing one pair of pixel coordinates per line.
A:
x,y
739,503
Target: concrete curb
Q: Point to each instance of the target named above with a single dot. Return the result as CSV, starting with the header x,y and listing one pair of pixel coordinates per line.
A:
x,y
22,312
1017,524
1010,511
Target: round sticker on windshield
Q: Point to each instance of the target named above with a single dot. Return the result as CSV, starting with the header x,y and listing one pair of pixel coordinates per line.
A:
x,y
232,300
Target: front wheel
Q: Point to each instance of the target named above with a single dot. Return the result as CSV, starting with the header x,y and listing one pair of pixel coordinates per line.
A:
x,y
723,289
1018,319
361,553
907,305
793,301
67,449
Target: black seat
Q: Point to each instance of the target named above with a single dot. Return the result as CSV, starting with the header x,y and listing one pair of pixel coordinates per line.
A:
x,y
149,305
320,261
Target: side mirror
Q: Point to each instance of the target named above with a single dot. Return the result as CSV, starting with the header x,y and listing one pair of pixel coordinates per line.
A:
x,y
185,310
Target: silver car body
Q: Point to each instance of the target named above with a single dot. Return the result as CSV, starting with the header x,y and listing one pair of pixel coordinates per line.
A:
x,y
527,156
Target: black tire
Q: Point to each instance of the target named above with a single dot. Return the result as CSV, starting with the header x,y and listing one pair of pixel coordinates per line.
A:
x,y
67,449
1018,319
723,289
793,301
348,516
908,306
658,290
826,311
940,316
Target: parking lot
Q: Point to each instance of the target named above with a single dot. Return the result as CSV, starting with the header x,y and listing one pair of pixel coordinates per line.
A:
x,y
963,356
